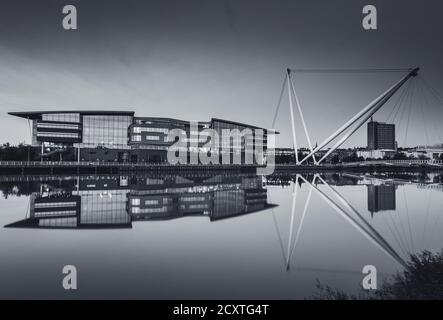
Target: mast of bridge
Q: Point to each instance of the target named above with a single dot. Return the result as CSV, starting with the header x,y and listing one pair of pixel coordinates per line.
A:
x,y
357,120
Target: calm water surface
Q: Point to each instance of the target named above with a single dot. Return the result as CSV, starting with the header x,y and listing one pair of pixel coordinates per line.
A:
x,y
206,236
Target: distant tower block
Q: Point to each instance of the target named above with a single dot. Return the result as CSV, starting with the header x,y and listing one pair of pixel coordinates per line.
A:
x,y
381,136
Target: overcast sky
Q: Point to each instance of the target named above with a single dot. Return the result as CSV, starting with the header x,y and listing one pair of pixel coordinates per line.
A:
x,y
197,59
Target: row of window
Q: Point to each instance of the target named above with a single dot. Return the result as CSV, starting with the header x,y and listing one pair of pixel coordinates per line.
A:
x,y
58,126
254,201
55,213
54,204
151,202
150,129
64,117
149,210
151,147
192,199
138,138
199,206
59,222
58,134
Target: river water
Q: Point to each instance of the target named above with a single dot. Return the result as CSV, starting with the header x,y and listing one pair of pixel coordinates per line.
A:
x,y
203,236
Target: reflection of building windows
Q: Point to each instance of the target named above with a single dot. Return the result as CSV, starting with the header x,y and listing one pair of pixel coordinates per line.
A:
x,y
191,199
136,137
55,213
150,210
152,138
58,223
54,204
198,206
135,202
381,197
98,207
151,202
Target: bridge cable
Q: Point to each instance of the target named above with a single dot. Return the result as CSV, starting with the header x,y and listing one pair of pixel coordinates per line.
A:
x,y
401,232
406,92
357,70
409,222
409,110
428,103
279,101
425,127
398,103
397,239
425,223
437,95
401,110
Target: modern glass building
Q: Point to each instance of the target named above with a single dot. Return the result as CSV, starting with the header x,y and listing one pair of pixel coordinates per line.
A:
x,y
119,136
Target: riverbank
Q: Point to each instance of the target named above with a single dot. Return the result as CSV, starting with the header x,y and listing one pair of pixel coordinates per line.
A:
x,y
22,167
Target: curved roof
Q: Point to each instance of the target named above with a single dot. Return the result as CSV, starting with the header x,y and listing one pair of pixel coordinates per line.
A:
x,y
37,114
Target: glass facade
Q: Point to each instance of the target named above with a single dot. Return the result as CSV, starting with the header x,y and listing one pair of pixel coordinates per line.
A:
x,y
105,130
239,139
56,132
152,132
104,135
104,207
62,117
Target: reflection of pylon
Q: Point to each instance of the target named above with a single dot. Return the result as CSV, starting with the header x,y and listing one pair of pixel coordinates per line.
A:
x,y
297,235
345,211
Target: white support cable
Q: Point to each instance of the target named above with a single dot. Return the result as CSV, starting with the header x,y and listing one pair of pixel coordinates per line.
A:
x,y
279,101
362,219
370,112
291,226
349,134
297,234
360,114
350,70
354,223
423,93
297,102
30,130
291,109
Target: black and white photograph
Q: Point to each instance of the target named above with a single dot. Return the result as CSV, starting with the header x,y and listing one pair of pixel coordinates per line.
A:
x,y
241,150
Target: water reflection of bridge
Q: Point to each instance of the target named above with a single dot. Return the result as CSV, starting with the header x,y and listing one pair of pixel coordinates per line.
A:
x,y
117,201
339,204
381,196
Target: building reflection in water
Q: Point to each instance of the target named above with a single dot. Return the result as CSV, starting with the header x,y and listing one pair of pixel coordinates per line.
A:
x,y
381,197
117,201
